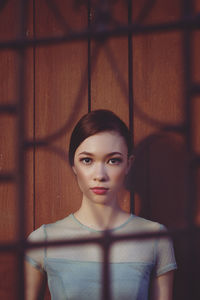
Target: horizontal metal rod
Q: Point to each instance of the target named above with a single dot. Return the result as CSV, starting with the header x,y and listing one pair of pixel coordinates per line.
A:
x,y
14,246
7,177
195,89
189,23
8,109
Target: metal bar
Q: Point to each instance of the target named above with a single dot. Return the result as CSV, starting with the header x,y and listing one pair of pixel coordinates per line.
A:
x,y
106,276
195,89
188,9
190,23
7,177
8,109
130,70
10,247
130,88
187,24
20,154
34,116
89,58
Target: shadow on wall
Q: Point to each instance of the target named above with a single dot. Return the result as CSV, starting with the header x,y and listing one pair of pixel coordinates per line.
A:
x,y
159,177
159,180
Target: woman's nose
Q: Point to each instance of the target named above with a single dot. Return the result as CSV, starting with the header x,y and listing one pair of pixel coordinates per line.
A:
x,y
100,173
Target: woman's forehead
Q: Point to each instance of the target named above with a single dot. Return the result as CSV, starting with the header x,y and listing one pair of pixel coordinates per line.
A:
x,y
104,142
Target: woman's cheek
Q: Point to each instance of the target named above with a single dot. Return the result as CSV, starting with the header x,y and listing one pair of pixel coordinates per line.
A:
x,y
119,178
82,178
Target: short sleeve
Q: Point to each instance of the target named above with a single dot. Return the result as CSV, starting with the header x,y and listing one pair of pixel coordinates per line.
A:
x,y
165,258
36,256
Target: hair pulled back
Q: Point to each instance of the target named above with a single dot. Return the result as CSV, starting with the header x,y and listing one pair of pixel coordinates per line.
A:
x,y
95,122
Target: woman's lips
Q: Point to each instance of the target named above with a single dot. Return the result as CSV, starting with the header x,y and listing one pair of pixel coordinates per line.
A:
x,y
99,190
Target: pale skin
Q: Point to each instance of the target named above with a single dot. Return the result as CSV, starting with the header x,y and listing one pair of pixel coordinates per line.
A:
x,y
34,283
100,164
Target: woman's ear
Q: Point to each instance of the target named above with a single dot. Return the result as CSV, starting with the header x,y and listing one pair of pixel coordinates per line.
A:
x,y
131,159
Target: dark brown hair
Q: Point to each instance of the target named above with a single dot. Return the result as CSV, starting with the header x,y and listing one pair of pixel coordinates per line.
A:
x,y
95,122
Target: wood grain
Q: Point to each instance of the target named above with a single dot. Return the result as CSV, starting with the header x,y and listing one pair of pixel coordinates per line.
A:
x,y
109,81
10,78
61,98
55,83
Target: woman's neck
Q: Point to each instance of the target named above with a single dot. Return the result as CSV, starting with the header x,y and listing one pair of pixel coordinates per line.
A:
x,y
101,216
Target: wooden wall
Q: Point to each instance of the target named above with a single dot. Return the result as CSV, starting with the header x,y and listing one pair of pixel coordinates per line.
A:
x,y
56,90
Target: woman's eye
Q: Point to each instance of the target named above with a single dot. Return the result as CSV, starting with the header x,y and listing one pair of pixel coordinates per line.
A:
x,y
115,161
86,160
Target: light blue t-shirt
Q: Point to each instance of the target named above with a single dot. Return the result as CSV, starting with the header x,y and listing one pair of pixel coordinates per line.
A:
x,y
75,272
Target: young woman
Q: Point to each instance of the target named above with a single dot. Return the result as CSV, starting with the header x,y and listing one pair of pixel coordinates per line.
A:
x,y
100,155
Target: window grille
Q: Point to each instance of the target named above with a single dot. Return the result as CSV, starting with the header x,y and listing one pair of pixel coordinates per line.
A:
x,y
187,24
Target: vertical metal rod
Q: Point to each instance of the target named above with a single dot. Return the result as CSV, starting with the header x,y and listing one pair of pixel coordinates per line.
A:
x,y
106,288
34,114
89,58
191,174
20,153
130,84
187,52
187,39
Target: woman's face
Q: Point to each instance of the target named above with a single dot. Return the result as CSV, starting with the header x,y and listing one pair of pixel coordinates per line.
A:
x,y
100,164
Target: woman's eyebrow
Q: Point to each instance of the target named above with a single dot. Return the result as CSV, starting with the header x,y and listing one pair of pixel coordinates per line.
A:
x,y
114,153
108,154
86,153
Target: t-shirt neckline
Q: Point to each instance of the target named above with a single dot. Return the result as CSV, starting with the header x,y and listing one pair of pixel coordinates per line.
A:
x,y
95,230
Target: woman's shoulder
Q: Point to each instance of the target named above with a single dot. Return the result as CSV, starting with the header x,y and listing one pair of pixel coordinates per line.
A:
x,y
139,224
61,229
38,234
50,230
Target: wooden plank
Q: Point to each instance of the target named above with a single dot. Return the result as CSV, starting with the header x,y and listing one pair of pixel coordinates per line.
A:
x,y
158,90
8,276
9,78
161,165
61,98
109,80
